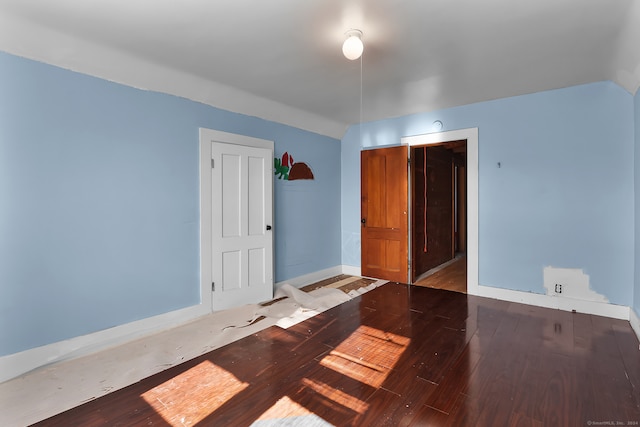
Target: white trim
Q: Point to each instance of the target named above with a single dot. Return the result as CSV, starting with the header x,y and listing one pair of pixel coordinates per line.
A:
x,y
471,135
206,273
351,270
211,135
635,322
17,364
560,303
207,137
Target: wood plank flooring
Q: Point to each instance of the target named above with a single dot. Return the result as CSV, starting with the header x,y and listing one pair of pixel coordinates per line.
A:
x,y
398,355
452,277
354,282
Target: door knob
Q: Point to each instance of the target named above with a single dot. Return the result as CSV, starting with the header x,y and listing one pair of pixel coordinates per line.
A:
x,y
268,227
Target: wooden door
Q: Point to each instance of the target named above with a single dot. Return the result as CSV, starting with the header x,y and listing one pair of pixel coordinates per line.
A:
x,y
384,207
242,256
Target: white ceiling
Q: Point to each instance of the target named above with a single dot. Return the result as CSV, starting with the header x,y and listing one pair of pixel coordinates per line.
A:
x,y
281,59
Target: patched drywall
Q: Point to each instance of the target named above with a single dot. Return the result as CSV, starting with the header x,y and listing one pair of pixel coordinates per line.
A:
x,y
570,283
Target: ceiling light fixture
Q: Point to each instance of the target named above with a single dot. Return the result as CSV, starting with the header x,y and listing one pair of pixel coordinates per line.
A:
x,y
352,47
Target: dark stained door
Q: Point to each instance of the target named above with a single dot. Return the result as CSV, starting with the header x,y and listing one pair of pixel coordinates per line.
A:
x,y
384,206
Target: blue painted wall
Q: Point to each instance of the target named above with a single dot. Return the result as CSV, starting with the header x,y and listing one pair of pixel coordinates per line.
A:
x,y
564,196
99,195
99,202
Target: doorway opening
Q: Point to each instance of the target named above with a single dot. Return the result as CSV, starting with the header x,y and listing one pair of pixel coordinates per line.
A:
x,y
438,181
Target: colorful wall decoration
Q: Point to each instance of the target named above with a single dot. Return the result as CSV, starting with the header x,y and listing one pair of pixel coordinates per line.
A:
x,y
286,169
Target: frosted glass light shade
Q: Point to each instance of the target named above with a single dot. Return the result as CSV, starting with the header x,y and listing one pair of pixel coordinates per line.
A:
x,y
352,47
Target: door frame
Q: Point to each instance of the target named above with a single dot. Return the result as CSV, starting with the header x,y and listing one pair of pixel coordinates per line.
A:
x,y
208,137
471,135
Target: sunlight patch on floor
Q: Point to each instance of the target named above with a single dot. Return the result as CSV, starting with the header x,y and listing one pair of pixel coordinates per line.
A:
x,y
367,355
286,412
336,395
212,385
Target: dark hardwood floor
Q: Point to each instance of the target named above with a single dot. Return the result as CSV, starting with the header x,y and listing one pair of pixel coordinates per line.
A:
x,y
398,355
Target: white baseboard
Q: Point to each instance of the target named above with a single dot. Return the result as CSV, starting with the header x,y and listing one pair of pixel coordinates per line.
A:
x,y
14,365
560,303
351,270
635,322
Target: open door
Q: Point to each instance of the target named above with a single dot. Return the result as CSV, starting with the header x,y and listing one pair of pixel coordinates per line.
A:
x,y
241,225
384,207
236,218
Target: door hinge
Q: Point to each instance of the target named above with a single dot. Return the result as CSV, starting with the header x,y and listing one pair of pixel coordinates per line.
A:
x,y
213,286
212,160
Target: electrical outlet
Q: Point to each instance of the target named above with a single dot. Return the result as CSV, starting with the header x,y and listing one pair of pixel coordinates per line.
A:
x,y
558,288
